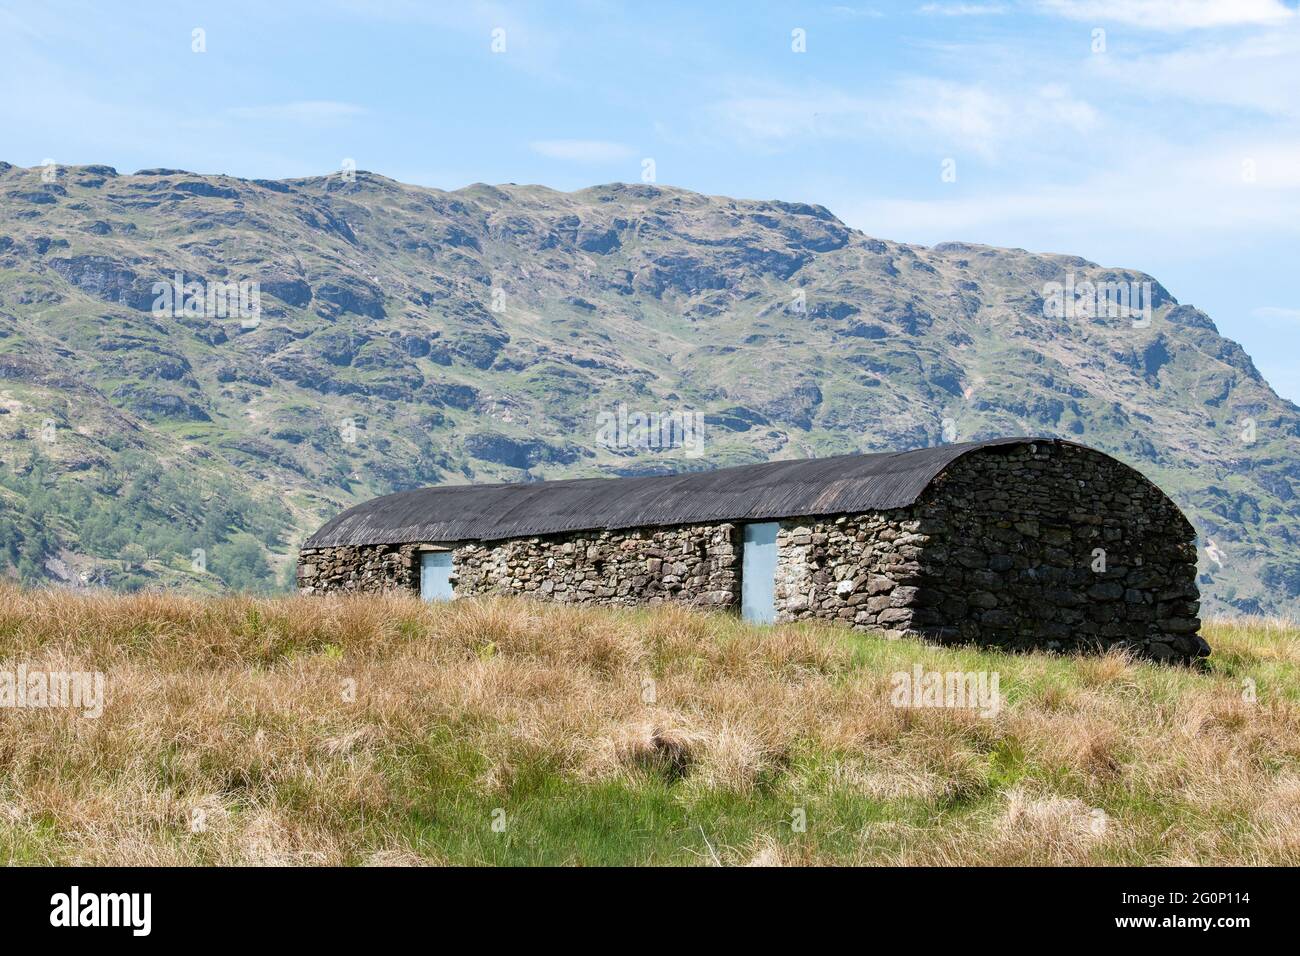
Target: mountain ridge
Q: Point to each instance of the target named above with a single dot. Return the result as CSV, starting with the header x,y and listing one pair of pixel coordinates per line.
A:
x,y
408,335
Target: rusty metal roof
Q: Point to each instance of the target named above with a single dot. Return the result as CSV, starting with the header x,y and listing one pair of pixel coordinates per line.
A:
x,y
776,489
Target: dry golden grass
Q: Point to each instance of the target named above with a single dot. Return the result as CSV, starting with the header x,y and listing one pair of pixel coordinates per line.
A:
x,y
386,731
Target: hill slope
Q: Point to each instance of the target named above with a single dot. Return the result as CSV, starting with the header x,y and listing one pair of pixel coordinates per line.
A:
x,y
410,336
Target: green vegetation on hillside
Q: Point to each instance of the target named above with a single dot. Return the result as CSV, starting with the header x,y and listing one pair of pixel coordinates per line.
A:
x,y
409,336
161,526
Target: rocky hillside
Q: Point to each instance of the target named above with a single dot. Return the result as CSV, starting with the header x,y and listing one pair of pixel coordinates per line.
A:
x,y
392,336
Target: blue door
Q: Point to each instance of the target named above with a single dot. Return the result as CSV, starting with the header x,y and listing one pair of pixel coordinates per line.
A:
x,y
435,575
758,573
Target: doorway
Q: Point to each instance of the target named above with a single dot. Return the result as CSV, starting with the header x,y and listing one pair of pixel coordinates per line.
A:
x,y
758,573
435,575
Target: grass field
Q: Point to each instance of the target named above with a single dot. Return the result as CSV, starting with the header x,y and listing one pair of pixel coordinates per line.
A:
x,y
388,731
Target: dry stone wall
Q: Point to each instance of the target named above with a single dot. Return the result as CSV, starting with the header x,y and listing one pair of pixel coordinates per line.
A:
x,y
695,564
863,571
370,568
1050,546
1060,546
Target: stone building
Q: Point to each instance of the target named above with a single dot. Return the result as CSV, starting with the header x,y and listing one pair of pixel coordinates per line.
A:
x,y
1013,543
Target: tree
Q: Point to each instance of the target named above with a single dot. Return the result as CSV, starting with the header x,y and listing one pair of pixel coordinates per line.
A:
x,y
241,564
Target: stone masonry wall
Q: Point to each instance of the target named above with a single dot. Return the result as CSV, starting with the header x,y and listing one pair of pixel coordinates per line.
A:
x,y
861,571
369,568
1058,546
1003,550
696,564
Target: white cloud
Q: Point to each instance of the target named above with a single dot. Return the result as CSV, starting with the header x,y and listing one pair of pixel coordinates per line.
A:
x,y
307,112
964,9
535,43
582,150
1259,72
967,115
939,114
1158,198
1173,14
856,13
1270,312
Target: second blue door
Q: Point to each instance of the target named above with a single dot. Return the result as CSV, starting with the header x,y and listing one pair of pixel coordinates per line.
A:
x,y
758,573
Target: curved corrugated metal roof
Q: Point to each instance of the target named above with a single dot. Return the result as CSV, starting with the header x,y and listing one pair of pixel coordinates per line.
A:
x,y
775,489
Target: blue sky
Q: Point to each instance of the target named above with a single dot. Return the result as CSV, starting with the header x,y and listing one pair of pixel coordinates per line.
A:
x,y
1169,142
